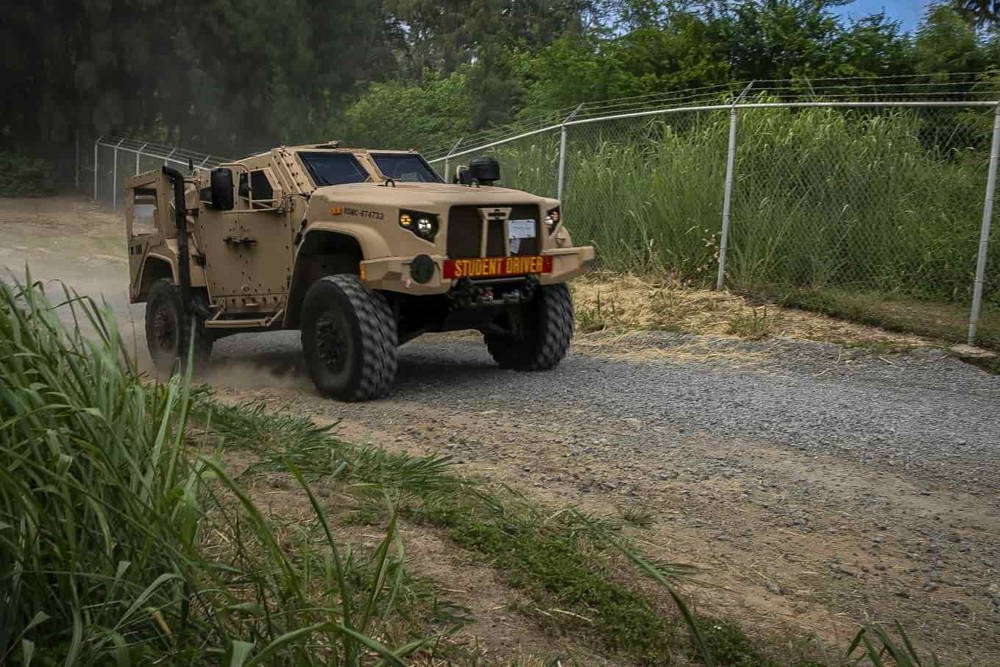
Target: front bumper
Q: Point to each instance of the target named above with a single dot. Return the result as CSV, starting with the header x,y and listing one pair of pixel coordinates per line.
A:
x,y
393,273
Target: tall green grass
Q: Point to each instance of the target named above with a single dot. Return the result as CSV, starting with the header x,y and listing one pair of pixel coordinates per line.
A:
x,y
119,543
886,200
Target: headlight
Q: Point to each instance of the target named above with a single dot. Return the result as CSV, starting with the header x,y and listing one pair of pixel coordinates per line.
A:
x,y
552,219
424,225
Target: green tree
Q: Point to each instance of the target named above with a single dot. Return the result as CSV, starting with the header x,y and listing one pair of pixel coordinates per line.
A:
x,y
401,114
714,44
569,71
783,39
873,46
983,12
687,52
946,42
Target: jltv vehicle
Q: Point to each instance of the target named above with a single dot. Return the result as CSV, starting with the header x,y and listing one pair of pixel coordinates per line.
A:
x,y
361,250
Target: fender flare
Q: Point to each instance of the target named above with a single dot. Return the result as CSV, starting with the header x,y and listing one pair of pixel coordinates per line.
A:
x,y
369,245
370,240
144,281
170,261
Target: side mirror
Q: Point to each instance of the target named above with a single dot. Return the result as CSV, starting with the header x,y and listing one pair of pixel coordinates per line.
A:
x,y
222,189
484,170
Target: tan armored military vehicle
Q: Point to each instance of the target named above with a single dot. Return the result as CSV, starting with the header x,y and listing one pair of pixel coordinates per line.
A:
x,y
362,250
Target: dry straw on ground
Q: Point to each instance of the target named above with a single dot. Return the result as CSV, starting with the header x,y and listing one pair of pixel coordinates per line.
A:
x,y
613,302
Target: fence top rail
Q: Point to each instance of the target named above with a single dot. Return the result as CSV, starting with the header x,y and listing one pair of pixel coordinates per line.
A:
x,y
499,142
161,151
726,107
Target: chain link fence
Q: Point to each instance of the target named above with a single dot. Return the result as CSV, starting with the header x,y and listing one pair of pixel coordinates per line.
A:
x,y
112,160
875,205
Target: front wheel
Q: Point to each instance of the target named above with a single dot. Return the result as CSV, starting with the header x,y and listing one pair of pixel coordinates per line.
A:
x,y
348,339
543,334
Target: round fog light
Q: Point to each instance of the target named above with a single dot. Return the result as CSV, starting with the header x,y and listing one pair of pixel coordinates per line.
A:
x,y
422,268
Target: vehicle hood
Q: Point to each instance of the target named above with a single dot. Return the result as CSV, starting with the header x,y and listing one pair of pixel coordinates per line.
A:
x,y
418,195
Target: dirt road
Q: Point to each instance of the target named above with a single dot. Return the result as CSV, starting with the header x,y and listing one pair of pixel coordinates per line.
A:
x,y
818,485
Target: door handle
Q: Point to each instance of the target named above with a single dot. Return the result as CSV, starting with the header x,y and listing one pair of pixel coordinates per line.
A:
x,y
239,240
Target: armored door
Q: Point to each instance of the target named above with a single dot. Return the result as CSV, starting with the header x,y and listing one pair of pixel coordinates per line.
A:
x,y
248,251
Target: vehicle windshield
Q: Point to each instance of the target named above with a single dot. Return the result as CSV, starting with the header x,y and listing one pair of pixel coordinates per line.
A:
x,y
405,167
334,168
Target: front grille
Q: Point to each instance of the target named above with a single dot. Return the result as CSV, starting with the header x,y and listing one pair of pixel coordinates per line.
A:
x,y
465,229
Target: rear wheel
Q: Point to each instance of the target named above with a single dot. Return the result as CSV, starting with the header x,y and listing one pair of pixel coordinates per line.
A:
x,y
348,339
166,339
543,335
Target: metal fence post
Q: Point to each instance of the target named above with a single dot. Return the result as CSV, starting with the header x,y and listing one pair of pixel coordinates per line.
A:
x,y
76,164
562,162
137,154
96,144
984,232
562,153
447,175
727,192
727,195
114,179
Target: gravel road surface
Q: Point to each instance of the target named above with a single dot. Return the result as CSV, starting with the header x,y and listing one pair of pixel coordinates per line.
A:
x,y
821,486
923,412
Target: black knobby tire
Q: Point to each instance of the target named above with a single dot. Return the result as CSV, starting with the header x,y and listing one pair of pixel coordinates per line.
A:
x,y
546,331
165,338
348,339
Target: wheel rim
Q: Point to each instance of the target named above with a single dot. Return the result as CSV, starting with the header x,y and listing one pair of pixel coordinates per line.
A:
x,y
332,342
165,330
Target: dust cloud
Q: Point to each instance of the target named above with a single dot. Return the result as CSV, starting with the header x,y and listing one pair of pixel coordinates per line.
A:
x,y
70,241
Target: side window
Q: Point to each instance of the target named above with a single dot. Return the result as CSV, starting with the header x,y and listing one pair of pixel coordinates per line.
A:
x,y
262,190
143,211
257,192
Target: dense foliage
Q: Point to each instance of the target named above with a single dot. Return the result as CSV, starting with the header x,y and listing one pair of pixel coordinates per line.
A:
x,y
22,175
228,77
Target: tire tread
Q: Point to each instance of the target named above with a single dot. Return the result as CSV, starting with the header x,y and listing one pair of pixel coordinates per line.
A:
x,y
555,331
164,289
377,339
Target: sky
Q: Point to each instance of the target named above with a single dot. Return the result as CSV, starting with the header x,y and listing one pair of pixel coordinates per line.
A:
x,y
907,12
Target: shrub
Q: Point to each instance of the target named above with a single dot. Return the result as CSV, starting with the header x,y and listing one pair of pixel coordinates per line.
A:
x,y
21,175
